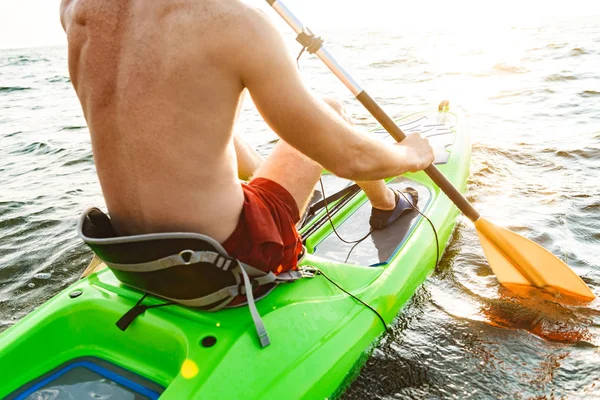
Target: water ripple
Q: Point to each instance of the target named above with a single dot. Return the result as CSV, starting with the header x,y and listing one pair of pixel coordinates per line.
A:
x,y
561,77
9,89
589,93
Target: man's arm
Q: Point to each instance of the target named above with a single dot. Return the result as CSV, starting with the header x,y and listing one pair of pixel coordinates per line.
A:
x,y
306,122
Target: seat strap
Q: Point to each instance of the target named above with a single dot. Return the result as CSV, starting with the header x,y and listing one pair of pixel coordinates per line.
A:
x,y
263,337
316,207
262,278
222,294
185,257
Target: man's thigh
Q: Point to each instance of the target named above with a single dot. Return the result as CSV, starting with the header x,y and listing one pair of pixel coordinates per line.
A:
x,y
294,171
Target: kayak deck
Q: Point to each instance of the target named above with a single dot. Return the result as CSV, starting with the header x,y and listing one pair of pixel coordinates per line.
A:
x,y
379,246
318,333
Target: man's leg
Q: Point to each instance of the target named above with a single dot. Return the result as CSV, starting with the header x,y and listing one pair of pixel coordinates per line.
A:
x,y
297,173
380,196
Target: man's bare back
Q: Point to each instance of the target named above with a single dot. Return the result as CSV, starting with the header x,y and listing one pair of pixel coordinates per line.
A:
x,y
159,95
160,84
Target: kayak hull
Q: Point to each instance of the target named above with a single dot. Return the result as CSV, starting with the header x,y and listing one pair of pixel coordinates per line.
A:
x,y
319,335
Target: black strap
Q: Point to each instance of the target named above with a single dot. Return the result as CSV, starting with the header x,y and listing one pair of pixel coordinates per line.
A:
x,y
312,210
139,308
347,193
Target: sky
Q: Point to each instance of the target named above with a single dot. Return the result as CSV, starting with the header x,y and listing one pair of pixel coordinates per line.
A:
x,y
30,23
35,23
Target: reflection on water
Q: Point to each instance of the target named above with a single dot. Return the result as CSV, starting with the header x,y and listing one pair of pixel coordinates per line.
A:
x,y
547,320
530,93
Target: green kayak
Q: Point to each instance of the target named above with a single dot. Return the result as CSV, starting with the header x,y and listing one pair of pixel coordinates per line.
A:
x,y
320,336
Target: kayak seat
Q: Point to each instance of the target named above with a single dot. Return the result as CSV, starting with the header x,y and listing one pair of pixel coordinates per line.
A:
x,y
183,267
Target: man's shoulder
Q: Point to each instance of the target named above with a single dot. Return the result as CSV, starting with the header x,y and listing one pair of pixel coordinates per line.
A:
x,y
65,12
243,30
246,18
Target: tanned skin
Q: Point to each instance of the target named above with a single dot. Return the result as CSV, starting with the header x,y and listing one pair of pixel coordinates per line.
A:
x,y
160,83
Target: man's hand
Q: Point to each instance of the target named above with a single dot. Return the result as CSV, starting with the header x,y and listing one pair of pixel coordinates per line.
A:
x,y
419,154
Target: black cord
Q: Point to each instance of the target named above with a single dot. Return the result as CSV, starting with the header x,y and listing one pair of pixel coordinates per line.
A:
x,y
333,226
139,308
385,326
352,249
139,303
356,242
320,272
437,241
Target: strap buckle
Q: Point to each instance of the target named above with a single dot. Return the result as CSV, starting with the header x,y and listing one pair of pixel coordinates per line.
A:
x,y
308,271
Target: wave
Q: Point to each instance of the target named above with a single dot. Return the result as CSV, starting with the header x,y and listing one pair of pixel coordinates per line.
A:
x,y
8,89
550,46
556,45
23,60
560,78
589,93
36,147
8,207
593,206
577,51
586,153
82,160
72,128
387,63
15,133
39,148
525,92
513,69
59,78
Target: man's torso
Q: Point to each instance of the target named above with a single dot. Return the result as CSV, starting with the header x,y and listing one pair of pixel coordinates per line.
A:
x,y
159,87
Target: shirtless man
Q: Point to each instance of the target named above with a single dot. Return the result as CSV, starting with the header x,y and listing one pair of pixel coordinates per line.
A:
x,y
160,83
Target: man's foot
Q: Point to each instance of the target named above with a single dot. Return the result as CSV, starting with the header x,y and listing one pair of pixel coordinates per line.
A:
x,y
381,219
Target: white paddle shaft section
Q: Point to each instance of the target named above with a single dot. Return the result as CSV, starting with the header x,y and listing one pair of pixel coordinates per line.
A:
x,y
323,54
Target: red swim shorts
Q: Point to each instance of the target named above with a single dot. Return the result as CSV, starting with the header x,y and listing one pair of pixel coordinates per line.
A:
x,y
265,236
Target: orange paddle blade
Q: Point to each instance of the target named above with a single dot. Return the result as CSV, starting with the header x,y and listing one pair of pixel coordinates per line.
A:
x,y
519,263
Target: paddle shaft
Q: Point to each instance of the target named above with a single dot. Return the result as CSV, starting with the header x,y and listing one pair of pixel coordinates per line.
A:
x,y
381,116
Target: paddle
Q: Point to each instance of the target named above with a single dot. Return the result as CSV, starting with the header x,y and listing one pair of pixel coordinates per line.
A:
x,y
519,263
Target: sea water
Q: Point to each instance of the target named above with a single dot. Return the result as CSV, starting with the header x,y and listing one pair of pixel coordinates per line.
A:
x,y
531,94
